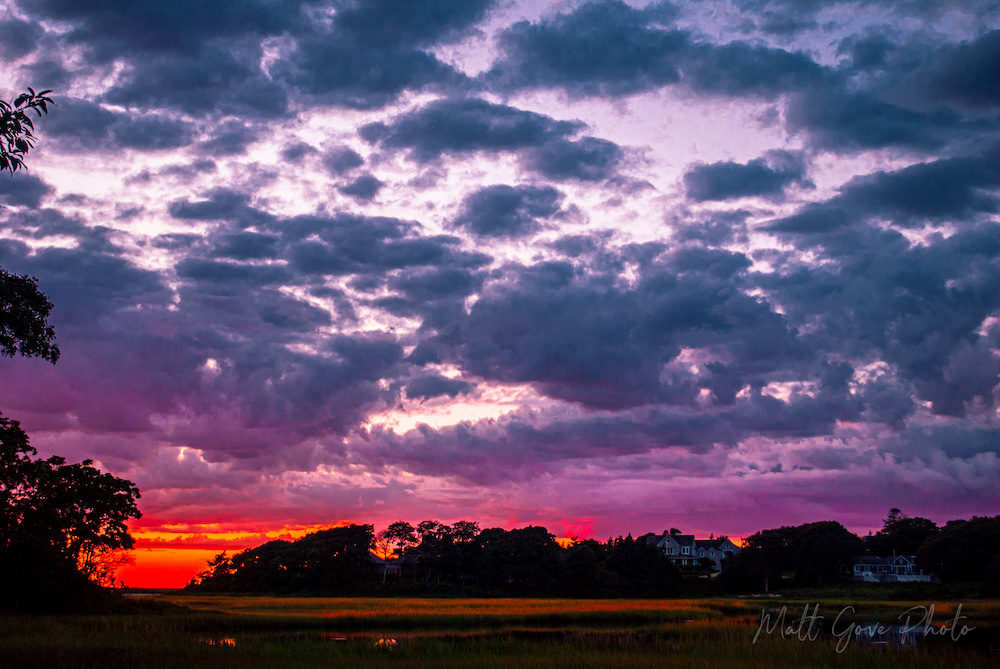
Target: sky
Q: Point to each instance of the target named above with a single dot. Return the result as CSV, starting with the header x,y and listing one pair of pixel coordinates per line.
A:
x,y
600,266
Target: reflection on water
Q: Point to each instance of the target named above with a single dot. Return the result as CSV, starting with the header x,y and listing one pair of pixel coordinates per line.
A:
x,y
227,641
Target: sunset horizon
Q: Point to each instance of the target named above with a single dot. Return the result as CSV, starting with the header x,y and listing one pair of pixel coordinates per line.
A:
x,y
604,267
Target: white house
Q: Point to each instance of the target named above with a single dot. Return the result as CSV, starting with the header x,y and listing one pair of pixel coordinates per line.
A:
x,y
685,550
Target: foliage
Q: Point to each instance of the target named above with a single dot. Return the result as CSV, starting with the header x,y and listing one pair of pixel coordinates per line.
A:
x,y
963,550
17,129
23,313
60,524
331,561
399,535
815,552
900,535
444,559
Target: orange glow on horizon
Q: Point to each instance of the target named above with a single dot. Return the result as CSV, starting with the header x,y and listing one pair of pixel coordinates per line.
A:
x,y
170,559
165,567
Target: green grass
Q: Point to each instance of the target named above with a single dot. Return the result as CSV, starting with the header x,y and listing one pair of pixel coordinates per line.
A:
x,y
225,631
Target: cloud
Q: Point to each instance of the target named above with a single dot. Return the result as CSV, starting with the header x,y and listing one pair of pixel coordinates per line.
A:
x,y
23,190
585,159
343,159
506,211
18,38
212,80
938,191
601,48
609,49
431,386
466,126
147,25
766,177
967,75
81,124
365,187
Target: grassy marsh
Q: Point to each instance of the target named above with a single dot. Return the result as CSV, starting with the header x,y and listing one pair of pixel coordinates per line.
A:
x,y
232,631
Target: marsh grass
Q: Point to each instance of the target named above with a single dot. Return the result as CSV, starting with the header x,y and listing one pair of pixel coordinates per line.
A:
x,y
221,632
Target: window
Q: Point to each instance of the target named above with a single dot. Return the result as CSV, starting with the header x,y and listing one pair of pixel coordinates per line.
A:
x,y
686,551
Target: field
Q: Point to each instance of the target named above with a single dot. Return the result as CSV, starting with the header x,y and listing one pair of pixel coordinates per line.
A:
x,y
229,631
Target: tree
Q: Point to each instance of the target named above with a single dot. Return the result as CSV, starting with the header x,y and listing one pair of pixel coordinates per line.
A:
x,y
63,527
60,525
24,311
16,127
900,535
328,562
819,550
401,535
23,307
760,562
964,550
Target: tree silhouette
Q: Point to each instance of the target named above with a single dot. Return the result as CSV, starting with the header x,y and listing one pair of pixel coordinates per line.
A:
x,y
24,312
63,527
17,129
60,525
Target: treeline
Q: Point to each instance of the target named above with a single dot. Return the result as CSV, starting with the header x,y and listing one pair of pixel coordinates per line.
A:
x,y
825,552
439,558
461,559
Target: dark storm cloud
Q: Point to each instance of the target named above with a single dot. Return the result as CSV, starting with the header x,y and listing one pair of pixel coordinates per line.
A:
x,y
44,223
343,159
294,152
514,448
466,126
152,134
843,121
967,75
436,284
213,79
366,245
765,177
359,75
246,246
585,340
431,386
375,50
955,441
230,138
586,159
18,38
214,275
365,187
602,48
918,308
792,16
506,211
114,318
150,25
80,124
405,22
220,204
610,49
740,69
23,190
938,191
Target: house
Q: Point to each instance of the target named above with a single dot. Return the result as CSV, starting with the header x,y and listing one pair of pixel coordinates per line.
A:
x,y
895,569
407,565
686,551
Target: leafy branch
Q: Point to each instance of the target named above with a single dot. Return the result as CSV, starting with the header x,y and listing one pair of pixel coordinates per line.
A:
x,y
16,127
